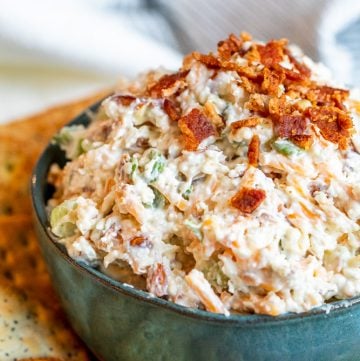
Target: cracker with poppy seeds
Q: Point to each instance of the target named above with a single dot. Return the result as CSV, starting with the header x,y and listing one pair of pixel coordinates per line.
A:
x,y
40,359
37,130
16,163
21,143
20,257
30,330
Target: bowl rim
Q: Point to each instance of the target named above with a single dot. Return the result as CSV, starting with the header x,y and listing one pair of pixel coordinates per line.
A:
x,y
38,179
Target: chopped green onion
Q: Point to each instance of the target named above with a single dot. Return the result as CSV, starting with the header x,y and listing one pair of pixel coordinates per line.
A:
x,y
134,166
286,147
158,165
194,227
71,141
60,222
186,194
159,200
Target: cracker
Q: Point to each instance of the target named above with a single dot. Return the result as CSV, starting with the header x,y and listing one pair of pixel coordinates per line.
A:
x,y
40,359
25,283
21,262
39,128
29,330
21,143
32,323
15,172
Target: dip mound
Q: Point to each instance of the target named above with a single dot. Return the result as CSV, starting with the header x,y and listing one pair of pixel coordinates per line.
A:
x,y
231,185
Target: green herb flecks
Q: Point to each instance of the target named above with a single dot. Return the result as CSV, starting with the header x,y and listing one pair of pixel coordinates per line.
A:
x,y
286,147
194,228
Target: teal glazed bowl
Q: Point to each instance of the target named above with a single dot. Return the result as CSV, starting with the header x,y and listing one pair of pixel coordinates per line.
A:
x,y
121,323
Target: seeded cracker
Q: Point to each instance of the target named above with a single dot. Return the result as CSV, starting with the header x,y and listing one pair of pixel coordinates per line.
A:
x,y
32,324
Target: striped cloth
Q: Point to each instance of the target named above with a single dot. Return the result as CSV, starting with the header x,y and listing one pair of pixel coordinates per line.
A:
x,y
327,30
53,51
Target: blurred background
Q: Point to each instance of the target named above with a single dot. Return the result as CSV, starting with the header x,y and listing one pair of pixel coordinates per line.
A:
x,y
52,51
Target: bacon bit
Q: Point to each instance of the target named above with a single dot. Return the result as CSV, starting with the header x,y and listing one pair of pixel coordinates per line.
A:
x,y
253,55
254,151
250,86
272,53
335,125
293,76
171,110
230,46
125,100
195,127
326,95
300,67
215,118
168,84
279,107
140,241
142,142
302,140
257,103
247,71
156,282
209,60
356,105
248,123
272,81
290,125
245,36
248,199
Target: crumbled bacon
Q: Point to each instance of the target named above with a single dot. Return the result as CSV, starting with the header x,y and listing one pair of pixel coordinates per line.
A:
x,y
215,118
328,96
293,75
168,84
230,46
279,107
140,241
254,151
171,110
209,60
195,127
335,125
273,90
156,281
257,103
248,199
125,100
290,125
253,55
249,85
272,81
302,140
300,67
248,122
272,53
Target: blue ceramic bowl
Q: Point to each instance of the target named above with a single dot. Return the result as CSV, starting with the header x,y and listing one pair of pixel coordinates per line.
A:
x,y
120,323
